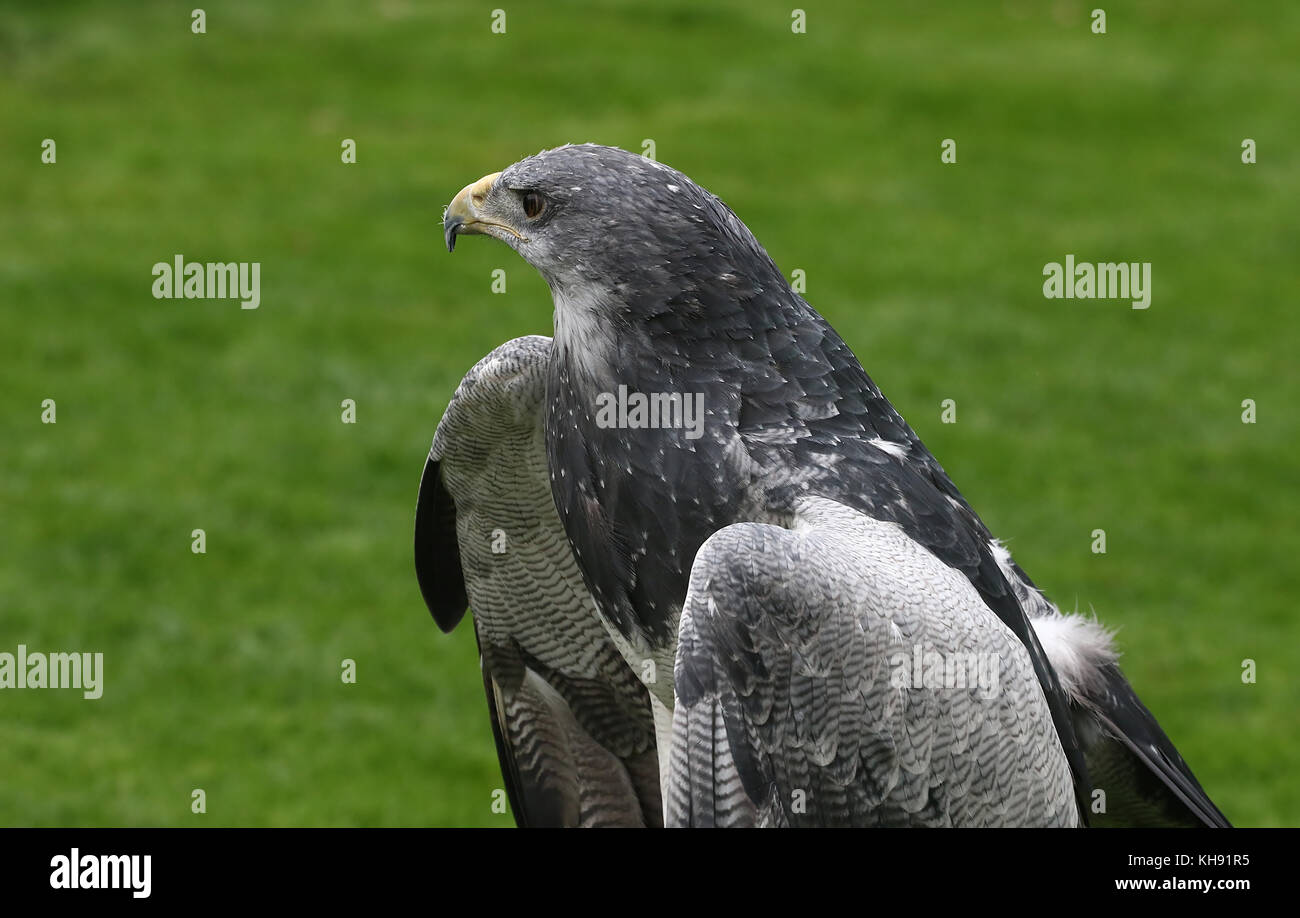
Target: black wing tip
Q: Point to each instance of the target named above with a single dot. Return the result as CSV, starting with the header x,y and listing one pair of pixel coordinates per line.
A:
x,y
437,554
1136,728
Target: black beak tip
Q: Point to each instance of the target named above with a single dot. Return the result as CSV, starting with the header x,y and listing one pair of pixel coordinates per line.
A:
x,y
449,229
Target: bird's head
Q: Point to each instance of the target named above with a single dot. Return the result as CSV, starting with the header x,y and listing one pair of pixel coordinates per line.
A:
x,y
591,215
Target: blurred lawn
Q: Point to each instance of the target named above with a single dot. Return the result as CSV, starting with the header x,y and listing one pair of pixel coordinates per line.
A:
x,y
222,670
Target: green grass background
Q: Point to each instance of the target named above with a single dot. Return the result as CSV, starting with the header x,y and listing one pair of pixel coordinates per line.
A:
x,y
222,671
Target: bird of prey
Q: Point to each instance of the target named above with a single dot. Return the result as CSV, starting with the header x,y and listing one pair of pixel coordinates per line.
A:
x,y
746,511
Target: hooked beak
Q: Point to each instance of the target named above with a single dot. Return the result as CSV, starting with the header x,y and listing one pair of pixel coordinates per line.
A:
x,y
464,216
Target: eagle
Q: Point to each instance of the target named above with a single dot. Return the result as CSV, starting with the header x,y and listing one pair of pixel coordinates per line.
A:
x,y
778,612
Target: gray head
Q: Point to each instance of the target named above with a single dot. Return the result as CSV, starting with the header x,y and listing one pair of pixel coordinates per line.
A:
x,y
590,215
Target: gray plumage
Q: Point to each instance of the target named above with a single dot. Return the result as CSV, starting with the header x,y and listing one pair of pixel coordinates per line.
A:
x,y
573,724
796,660
660,288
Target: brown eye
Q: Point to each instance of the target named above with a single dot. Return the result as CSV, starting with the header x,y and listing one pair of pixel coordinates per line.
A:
x,y
534,204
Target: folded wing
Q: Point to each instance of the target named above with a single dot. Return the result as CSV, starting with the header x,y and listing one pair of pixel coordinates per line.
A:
x,y
573,724
836,673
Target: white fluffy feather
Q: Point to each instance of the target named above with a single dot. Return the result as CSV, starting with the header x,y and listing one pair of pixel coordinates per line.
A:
x,y
1077,648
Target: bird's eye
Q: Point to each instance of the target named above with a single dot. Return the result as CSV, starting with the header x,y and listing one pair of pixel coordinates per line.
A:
x,y
534,204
